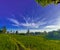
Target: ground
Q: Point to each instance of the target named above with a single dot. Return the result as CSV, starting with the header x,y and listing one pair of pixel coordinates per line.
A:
x,y
22,42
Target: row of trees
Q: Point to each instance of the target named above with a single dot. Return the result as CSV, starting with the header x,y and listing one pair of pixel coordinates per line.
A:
x,y
54,34
51,34
4,30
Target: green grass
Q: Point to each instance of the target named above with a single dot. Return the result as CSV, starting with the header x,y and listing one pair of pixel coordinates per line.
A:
x,y
18,42
6,43
9,43
38,42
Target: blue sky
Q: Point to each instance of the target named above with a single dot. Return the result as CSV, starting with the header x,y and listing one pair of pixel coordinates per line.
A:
x,y
27,14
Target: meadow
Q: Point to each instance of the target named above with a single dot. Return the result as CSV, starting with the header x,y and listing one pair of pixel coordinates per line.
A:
x,y
21,42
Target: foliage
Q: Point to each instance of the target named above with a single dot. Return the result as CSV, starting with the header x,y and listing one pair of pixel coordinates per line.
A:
x,y
46,2
4,29
16,41
38,42
54,35
9,43
28,32
16,32
35,41
6,43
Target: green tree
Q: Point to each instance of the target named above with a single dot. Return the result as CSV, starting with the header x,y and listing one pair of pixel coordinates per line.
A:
x,y
4,30
28,32
45,32
46,2
16,32
0,31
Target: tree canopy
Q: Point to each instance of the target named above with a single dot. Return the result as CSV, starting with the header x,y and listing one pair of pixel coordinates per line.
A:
x,y
46,2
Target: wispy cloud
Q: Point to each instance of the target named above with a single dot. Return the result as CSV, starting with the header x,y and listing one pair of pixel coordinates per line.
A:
x,y
14,21
27,24
56,25
36,23
53,27
32,23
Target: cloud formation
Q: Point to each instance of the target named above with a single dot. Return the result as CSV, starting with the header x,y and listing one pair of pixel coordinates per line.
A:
x,y
27,24
14,21
37,23
56,25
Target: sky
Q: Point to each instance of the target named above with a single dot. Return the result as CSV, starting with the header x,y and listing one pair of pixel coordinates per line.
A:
x,y
22,15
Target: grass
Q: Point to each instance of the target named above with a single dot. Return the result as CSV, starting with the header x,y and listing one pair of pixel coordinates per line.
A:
x,y
38,42
9,43
20,42
6,43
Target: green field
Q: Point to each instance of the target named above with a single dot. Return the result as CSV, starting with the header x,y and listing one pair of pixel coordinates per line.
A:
x,y
20,42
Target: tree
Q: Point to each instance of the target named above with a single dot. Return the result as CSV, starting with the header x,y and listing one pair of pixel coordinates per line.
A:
x,y
0,31
4,29
45,32
16,32
28,32
46,2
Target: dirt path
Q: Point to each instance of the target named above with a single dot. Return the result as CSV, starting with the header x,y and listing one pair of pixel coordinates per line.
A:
x,y
19,45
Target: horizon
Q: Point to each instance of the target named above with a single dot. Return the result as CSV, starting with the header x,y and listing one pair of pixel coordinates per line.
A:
x,y
24,31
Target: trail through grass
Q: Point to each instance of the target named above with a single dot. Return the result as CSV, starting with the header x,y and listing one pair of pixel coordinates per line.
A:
x,y
10,43
17,43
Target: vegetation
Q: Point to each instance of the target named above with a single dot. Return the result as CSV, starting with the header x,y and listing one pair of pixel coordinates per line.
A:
x,y
22,42
30,40
46,2
3,30
38,42
6,43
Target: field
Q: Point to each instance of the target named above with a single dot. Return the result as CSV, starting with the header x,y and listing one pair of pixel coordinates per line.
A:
x,y
21,42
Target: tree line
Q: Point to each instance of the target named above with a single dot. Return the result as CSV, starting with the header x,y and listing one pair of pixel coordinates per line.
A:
x,y
50,34
3,30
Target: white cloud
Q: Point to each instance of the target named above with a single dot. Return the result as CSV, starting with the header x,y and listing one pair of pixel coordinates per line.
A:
x,y
56,25
14,21
15,25
51,27
27,24
35,25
